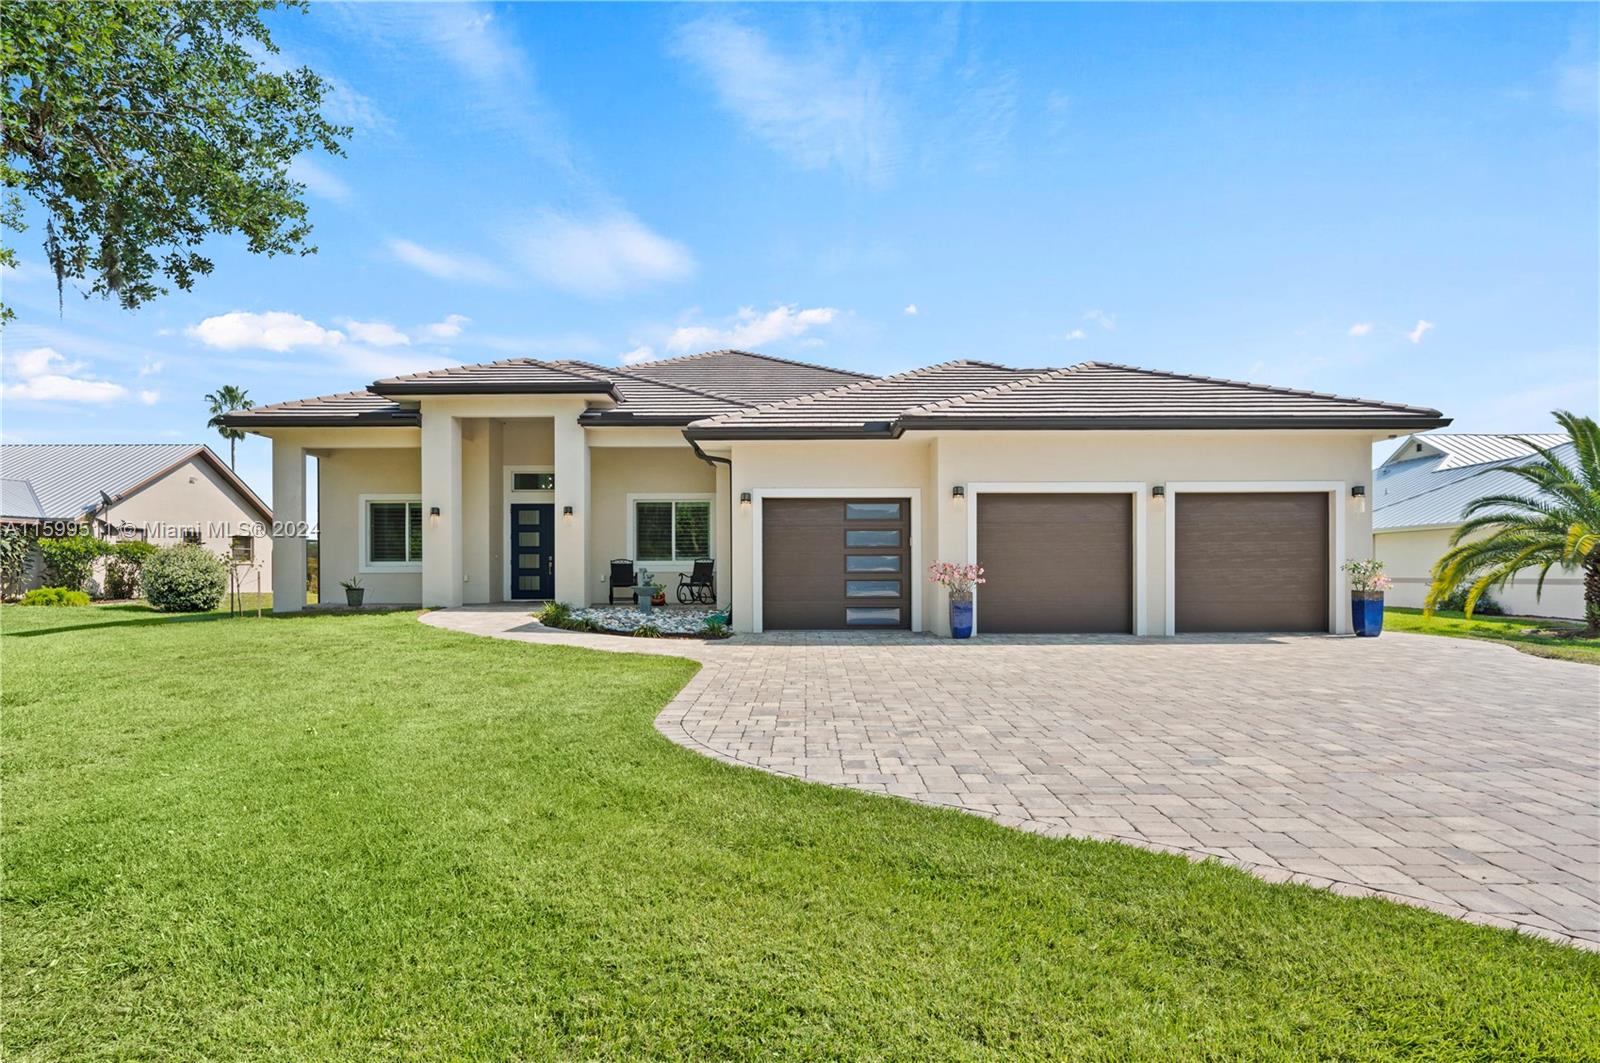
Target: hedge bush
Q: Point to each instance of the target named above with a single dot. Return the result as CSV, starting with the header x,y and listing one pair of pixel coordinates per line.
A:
x,y
125,565
55,596
70,560
184,579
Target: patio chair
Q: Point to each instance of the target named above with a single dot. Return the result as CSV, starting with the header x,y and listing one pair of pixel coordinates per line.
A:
x,y
700,584
623,579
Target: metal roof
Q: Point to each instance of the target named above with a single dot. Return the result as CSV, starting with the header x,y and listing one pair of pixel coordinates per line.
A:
x,y
1423,493
17,501
1461,449
68,480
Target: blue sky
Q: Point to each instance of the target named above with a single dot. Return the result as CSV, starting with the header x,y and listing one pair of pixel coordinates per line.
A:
x,y
1392,201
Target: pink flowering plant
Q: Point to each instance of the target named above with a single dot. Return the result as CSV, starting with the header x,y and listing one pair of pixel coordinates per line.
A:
x,y
1366,575
957,579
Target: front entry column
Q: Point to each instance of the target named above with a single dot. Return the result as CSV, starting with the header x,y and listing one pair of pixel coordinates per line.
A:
x,y
572,510
289,527
442,535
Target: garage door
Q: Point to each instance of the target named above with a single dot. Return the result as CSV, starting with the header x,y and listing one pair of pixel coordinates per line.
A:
x,y
1251,562
835,563
1055,563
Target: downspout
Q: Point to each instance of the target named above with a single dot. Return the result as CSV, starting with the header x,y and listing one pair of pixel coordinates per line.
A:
x,y
733,505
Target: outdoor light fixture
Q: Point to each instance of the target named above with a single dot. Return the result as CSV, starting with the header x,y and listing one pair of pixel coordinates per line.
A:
x,y
958,493
566,514
1359,493
433,516
744,499
1158,491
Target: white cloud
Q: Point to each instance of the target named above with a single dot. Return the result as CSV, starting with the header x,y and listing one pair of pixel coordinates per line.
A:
x,y
149,398
1076,334
911,309
275,330
445,265
1416,334
642,353
749,330
1101,318
1360,328
43,375
447,329
824,107
600,256
150,367
319,179
376,333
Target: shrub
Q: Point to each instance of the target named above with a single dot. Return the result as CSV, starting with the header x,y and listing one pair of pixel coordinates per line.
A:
x,y
69,561
1457,603
55,596
555,614
124,566
184,579
715,629
646,631
14,550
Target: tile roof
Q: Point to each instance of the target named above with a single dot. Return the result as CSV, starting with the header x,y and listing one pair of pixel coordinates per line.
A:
x,y
644,401
1462,449
347,409
1107,395
67,479
866,407
745,377
1428,492
528,376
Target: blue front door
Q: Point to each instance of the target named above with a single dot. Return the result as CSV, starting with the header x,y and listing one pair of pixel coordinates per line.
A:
x,y
533,550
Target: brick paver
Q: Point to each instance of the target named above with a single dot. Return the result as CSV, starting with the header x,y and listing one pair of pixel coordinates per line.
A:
x,y
1457,775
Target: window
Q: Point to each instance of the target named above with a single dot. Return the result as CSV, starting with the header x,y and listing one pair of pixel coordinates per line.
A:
x,y
671,530
191,536
242,548
533,481
394,532
872,511
864,537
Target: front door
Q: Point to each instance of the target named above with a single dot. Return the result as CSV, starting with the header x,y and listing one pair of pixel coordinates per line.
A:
x,y
533,550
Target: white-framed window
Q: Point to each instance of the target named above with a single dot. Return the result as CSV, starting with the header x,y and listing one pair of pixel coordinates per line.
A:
x,y
242,548
669,529
391,533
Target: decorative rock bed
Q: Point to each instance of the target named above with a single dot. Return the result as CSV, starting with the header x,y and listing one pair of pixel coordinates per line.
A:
x,y
669,621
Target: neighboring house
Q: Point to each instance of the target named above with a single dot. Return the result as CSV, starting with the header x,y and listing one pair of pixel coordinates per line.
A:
x,y
164,493
1099,497
1420,491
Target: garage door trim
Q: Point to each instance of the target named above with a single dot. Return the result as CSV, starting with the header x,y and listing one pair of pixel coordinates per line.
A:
x,y
1338,601
913,497
1138,489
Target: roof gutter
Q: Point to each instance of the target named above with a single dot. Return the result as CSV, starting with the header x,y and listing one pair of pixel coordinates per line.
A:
x,y
714,461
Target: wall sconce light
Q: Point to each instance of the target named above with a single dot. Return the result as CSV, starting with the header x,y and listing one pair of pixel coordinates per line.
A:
x,y
1158,491
1359,493
958,493
566,514
433,516
744,499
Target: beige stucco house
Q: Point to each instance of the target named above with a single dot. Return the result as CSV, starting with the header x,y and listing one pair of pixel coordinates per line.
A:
x,y
1420,491
163,493
1099,497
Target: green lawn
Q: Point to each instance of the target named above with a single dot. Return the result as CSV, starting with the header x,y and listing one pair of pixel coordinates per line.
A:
x,y
1543,638
357,837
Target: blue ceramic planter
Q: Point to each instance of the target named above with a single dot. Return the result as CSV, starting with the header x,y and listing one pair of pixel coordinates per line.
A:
x,y
1366,615
961,620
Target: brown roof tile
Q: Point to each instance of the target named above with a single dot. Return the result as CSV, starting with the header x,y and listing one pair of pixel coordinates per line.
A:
x,y
744,377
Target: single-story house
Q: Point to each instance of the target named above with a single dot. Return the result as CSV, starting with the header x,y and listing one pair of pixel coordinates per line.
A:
x,y
1099,497
163,493
1420,491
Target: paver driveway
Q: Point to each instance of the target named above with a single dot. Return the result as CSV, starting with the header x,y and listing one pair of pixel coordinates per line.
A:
x,y
1458,775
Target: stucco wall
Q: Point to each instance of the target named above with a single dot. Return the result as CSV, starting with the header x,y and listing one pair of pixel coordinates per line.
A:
x,y
196,495
935,462
1408,557
617,472
343,477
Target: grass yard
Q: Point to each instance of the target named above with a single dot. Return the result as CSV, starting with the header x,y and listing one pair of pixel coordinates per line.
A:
x,y
355,837
1540,637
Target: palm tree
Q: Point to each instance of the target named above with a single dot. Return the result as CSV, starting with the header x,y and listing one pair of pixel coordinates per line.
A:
x,y
224,401
1501,535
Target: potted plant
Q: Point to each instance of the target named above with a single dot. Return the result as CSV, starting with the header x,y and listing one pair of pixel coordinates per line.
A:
x,y
1367,584
353,591
959,580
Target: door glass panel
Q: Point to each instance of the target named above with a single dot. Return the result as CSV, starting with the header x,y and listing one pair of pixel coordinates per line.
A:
x,y
529,583
528,518
528,538
872,563
872,616
865,537
872,588
527,560
872,511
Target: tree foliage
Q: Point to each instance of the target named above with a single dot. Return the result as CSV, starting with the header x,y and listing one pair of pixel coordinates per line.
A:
x,y
222,402
1557,524
144,128
69,560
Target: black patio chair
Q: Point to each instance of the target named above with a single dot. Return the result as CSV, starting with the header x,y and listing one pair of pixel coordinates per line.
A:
x,y
624,579
700,584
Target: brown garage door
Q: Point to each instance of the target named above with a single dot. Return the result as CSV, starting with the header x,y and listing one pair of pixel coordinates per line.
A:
x,y
1055,563
1251,562
835,563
